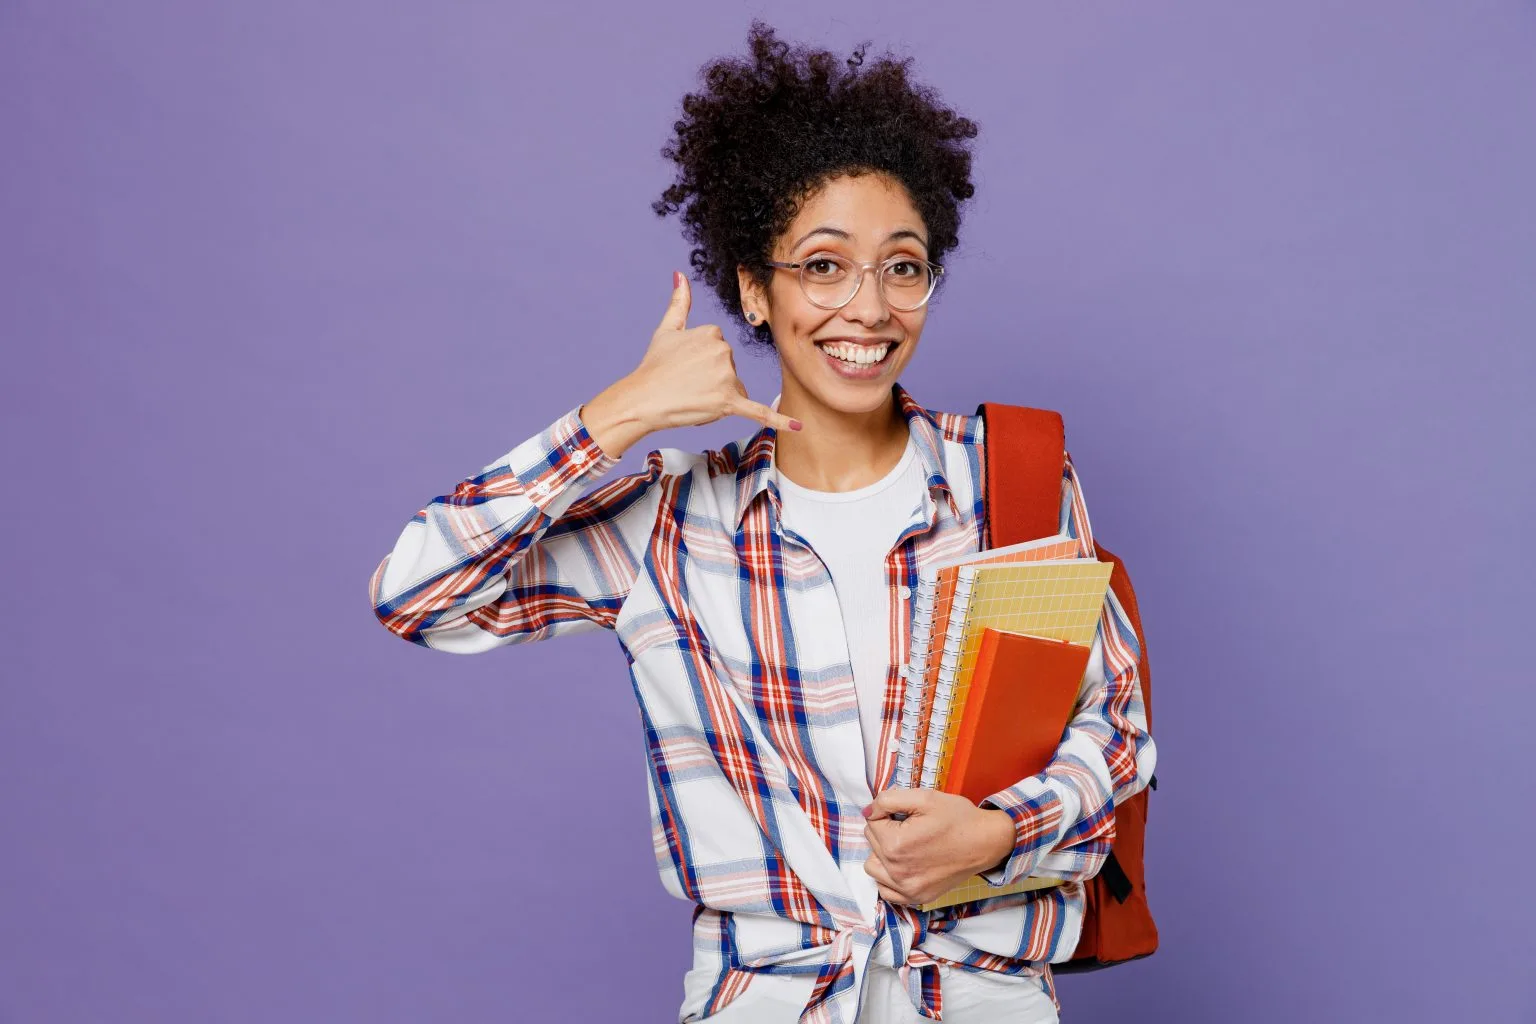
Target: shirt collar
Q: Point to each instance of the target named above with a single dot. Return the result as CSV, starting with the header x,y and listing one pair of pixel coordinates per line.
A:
x,y
754,470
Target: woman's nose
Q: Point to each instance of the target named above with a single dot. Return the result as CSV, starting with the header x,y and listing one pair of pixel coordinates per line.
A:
x,y
867,306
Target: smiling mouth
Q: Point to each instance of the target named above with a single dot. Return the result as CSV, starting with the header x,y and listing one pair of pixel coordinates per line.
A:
x,y
858,355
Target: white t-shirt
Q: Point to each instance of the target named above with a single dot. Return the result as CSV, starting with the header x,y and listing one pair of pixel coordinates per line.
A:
x,y
853,531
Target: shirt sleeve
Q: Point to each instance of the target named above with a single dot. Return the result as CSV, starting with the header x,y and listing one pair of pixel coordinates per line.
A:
x,y
511,555
1064,817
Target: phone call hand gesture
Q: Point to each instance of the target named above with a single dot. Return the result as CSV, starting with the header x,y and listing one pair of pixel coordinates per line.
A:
x,y
688,374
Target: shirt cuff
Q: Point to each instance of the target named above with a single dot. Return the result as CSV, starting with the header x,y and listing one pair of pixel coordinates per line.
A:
x,y
1040,815
558,456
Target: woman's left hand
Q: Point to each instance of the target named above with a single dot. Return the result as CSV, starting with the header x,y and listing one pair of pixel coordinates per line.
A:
x,y
944,840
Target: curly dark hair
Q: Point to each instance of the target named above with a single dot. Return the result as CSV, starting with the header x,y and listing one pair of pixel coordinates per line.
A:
x,y
767,132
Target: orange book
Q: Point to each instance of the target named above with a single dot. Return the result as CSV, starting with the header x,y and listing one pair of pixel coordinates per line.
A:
x,y
1021,698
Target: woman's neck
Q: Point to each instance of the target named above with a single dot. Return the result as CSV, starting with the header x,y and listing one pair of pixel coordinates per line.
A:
x,y
839,451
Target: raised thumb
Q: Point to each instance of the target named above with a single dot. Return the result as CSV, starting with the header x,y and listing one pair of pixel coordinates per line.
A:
x,y
676,316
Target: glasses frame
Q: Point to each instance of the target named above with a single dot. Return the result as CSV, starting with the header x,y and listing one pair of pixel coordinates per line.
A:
x,y
934,270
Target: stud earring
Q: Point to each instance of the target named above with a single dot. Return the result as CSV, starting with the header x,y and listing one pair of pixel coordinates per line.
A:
x,y
751,318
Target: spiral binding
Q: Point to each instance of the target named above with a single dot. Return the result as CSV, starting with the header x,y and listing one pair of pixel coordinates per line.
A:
x,y
944,688
915,672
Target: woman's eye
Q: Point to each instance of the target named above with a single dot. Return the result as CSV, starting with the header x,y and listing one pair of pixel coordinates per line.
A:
x,y
904,268
821,267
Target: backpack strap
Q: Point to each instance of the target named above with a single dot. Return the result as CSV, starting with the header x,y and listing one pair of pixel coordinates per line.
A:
x,y
1025,449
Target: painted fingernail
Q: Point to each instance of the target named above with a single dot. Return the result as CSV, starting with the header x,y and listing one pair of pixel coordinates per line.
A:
x,y
796,425
677,278
867,810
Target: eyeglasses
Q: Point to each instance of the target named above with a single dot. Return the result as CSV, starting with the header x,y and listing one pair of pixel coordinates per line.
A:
x,y
831,281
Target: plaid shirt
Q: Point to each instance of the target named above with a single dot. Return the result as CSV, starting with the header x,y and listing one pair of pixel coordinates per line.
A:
x,y
731,628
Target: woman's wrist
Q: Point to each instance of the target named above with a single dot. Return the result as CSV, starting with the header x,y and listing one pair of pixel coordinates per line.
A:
x,y
996,839
615,418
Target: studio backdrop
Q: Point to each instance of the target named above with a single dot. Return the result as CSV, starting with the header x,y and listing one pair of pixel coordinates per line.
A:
x,y
274,275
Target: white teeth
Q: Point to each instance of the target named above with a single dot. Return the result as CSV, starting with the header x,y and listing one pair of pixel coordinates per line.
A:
x,y
859,355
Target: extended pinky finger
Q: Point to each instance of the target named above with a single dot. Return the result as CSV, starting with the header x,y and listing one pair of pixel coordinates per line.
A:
x,y
767,415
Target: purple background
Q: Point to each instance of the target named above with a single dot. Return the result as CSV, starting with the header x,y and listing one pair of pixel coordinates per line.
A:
x,y
275,274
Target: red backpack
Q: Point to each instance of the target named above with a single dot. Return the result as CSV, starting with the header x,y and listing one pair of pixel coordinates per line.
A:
x,y
1025,455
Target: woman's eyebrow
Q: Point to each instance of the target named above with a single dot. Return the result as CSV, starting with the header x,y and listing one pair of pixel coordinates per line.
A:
x,y
845,236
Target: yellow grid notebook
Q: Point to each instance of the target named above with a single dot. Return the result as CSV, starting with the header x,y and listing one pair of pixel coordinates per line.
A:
x,y
1059,599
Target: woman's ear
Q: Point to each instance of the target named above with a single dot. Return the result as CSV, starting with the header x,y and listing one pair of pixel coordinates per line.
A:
x,y
754,299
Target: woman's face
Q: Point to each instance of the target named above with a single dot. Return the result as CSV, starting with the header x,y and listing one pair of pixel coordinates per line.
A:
x,y
864,218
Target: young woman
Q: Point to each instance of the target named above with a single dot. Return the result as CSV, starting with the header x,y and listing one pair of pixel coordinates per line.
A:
x,y
762,590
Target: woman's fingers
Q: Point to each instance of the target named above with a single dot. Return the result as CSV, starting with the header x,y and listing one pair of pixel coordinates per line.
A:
x,y
875,868
691,366
764,414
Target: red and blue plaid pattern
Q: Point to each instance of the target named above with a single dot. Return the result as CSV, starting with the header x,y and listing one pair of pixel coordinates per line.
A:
x,y
734,639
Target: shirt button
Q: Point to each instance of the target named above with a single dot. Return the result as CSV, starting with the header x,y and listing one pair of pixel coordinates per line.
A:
x,y
537,490
906,592
578,456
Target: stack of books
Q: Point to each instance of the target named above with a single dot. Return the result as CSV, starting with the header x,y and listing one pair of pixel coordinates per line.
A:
x,y
1000,643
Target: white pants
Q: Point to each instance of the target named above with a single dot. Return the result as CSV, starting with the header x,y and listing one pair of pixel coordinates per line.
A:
x,y
970,997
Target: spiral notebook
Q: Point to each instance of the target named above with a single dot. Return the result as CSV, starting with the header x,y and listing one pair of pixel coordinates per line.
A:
x,y
1060,599
930,619
1026,588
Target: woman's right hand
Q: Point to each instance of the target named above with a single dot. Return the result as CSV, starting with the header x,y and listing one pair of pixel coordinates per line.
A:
x,y
689,373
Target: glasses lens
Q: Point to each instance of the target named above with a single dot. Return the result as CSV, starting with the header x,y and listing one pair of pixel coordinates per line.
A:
x,y
906,283
829,281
